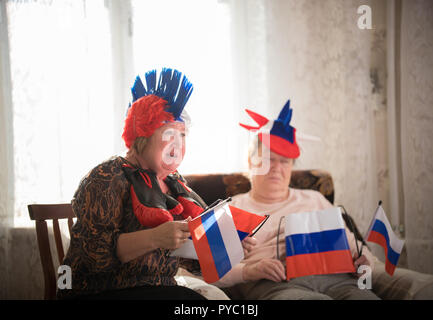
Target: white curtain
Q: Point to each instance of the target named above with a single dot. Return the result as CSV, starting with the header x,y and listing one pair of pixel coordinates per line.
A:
x,y
6,155
194,36
60,60
56,120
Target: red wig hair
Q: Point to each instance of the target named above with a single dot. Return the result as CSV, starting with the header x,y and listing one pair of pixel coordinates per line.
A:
x,y
145,116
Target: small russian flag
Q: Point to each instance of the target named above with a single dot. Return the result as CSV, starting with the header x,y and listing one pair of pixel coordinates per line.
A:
x,y
380,232
316,243
245,222
216,242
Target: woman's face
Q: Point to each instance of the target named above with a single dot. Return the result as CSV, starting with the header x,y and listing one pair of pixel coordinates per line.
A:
x,y
165,149
277,179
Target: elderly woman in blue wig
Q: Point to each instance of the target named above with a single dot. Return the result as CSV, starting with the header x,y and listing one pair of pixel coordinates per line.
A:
x,y
131,211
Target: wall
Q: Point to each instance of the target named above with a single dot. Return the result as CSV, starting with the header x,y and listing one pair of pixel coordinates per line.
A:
x,y
318,57
417,130
375,140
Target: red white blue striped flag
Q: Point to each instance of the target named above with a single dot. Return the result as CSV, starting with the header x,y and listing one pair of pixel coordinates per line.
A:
x,y
380,232
216,242
316,243
245,222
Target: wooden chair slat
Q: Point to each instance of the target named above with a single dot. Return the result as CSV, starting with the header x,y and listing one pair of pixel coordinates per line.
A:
x,y
58,239
46,259
40,213
70,224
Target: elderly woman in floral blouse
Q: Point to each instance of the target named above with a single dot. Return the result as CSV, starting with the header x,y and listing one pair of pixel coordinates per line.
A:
x,y
132,211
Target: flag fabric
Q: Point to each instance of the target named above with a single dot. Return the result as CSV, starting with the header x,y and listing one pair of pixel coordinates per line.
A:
x,y
380,232
316,243
245,223
216,243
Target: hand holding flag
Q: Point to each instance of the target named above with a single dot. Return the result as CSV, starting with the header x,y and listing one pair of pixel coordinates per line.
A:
x,y
248,244
316,243
171,234
247,224
217,235
216,242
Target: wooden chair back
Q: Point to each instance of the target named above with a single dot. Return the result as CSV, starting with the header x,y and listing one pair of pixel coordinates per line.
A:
x,y
55,212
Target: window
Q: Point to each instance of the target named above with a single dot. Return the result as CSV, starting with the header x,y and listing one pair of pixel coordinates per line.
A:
x,y
194,36
61,94
68,59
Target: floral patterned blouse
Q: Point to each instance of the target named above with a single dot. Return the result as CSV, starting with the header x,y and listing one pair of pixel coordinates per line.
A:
x,y
103,208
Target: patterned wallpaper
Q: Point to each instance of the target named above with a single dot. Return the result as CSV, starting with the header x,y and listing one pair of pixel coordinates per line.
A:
x,y
319,58
417,131
336,77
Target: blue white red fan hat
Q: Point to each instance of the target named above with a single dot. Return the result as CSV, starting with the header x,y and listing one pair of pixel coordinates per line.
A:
x,y
278,135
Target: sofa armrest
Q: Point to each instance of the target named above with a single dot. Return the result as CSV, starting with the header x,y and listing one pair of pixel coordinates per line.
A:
x,y
319,180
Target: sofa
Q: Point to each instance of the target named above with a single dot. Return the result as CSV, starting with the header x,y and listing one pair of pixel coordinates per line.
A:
x,y
405,284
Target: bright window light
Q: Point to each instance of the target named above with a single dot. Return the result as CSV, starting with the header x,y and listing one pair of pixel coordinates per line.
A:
x,y
193,36
62,108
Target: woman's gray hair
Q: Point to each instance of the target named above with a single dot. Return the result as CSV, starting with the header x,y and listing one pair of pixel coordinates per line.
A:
x,y
139,144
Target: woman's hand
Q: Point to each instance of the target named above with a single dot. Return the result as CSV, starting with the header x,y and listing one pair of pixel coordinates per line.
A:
x,y
168,235
171,235
271,269
248,243
359,261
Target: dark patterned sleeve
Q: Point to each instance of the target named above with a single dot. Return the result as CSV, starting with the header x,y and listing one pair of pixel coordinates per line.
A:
x,y
191,265
98,206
